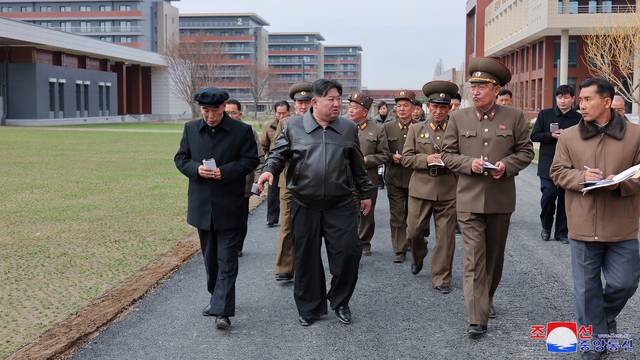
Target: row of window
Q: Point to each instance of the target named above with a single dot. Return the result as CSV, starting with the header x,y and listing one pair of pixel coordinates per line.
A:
x,y
215,33
64,8
82,88
87,26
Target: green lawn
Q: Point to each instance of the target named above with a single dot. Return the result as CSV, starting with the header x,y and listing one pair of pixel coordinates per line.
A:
x,y
80,211
174,125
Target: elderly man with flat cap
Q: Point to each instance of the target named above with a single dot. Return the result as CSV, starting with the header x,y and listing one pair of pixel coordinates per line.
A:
x,y
374,147
432,188
397,176
216,153
300,93
487,145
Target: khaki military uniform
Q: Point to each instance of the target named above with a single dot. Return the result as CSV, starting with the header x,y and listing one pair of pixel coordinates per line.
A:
x,y
267,138
284,248
432,190
484,204
397,178
374,147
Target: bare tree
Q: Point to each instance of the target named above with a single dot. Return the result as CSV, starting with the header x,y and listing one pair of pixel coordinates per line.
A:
x,y
259,80
194,63
611,52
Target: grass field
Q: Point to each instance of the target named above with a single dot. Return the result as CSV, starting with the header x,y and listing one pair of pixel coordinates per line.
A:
x,y
80,211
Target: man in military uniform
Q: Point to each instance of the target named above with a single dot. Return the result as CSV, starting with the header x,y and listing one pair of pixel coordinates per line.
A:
x,y
300,93
397,176
418,113
432,188
487,145
374,147
267,137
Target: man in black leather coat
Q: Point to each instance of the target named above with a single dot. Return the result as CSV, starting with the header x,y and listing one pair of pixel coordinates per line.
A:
x,y
326,168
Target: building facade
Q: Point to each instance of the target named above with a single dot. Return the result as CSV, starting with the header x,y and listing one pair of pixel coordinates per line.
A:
x,y
344,63
240,41
294,57
540,41
149,25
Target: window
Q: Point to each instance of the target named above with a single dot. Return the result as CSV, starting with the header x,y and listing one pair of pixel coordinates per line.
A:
x,y
108,98
45,9
65,26
100,98
85,8
573,59
86,99
105,7
106,38
46,24
125,25
126,39
78,98
105,26
61,96
26,9
52,96
125,8
6,9
65,8
85,26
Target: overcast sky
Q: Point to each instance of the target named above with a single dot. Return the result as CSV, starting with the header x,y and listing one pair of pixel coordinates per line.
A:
x,y
402,39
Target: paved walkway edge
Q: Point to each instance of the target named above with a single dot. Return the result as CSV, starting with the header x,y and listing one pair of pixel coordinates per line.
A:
x,y
65,336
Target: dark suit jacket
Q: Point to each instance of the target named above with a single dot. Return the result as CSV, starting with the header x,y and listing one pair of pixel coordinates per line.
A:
x,y
233,146
541,133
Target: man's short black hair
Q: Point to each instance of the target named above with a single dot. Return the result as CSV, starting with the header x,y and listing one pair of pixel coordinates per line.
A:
x,y
565,89
604,88
457,96
504,92
321,87
381,104
236,103
281,103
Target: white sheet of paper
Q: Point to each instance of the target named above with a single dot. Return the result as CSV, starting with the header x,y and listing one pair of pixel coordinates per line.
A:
x,y
210,163
488,165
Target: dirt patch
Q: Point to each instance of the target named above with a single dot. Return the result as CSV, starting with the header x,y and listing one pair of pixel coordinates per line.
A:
x,y
61,340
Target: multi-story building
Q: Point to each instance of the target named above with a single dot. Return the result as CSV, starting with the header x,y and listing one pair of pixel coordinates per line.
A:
x,y
294,57
540,41
241,41
144,24
344,63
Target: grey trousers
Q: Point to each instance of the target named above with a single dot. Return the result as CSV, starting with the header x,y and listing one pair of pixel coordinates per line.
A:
x,y
619,262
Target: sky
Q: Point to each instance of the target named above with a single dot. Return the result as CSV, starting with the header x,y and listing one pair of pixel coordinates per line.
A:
x,y
402,40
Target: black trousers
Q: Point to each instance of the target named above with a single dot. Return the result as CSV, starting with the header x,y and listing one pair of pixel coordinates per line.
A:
x,y
245,220
220,252
339,227
273,202
550,194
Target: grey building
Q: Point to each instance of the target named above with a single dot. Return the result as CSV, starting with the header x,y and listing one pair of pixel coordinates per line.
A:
x,y
344,63
149,25
294,57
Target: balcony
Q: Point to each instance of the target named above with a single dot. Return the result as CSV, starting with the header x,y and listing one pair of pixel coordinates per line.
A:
x,y
73,15
293,61
294,52
594,8
210,38
97,30
213,25
293,41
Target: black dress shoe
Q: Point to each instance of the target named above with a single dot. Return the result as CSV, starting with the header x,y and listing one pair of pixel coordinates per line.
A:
x,y
283,278
443,289
612,326
492,312
240,253
545,235
563,239
223,322
206,311
305,321
272,225
476,330
415,268
344,314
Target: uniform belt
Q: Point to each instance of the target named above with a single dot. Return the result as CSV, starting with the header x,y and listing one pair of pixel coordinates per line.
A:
x,y
438,170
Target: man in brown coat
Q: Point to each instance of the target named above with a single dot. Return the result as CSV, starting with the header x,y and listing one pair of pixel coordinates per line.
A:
x,y
300,93
432,188
267,138
397,176
603,223
374,147
487,145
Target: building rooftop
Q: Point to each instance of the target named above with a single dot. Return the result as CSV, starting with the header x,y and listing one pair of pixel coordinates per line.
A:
x,y
359,47
255,17
315,34
18,33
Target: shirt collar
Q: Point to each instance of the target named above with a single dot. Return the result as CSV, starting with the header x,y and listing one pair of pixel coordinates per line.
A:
x,y
442,127
310,124
487,114
224,124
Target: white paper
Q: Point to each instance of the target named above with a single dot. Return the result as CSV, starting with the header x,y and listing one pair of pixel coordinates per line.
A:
x,y
437,163
488,165
633,171
210,163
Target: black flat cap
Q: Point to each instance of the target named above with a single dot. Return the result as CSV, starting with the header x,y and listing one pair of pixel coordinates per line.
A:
x,y
211,96
440,91
300,91
483,69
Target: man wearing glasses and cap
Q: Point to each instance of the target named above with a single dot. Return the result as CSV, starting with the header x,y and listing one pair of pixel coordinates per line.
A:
x,y
300,93
487,145
432,188
374,147
216,153
397,176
